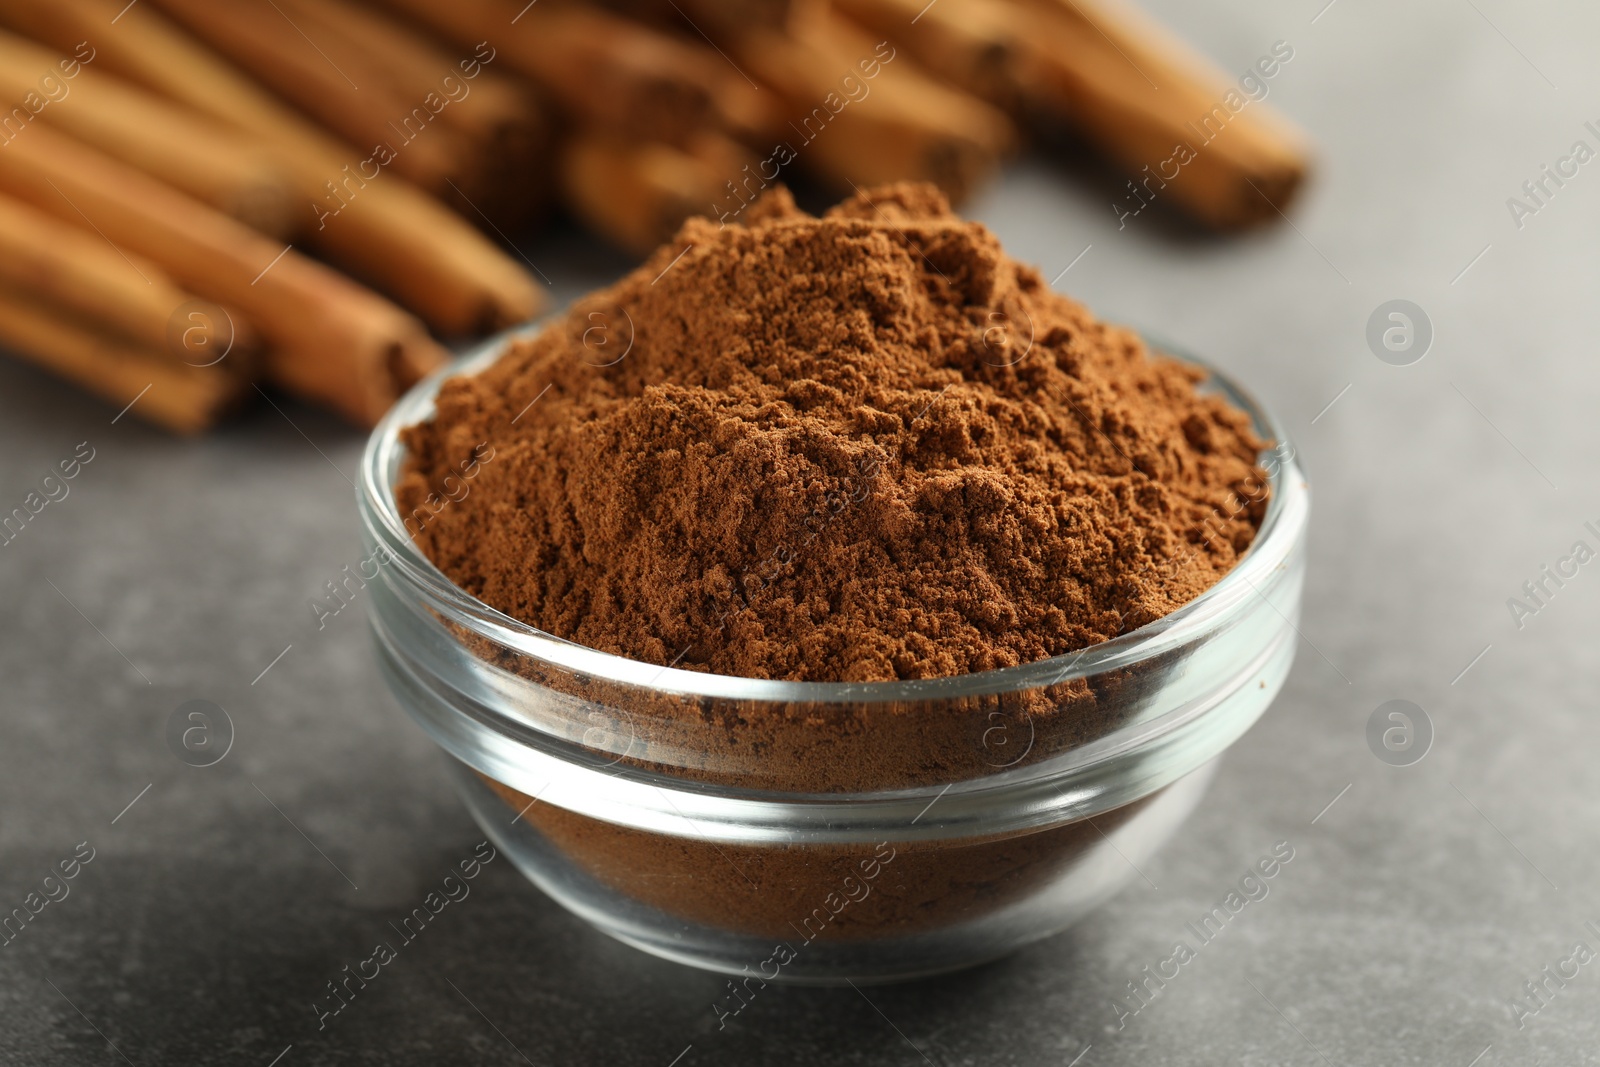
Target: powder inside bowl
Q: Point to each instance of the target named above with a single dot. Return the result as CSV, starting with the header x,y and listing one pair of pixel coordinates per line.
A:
x,y
858,447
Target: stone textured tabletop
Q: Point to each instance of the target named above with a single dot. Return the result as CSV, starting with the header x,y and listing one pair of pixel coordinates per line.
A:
x,y
1421,900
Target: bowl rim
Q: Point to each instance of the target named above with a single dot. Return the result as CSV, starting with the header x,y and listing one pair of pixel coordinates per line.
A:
x,y
1280,531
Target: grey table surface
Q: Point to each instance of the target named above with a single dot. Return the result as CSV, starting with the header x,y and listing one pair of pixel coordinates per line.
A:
x,y
1417,907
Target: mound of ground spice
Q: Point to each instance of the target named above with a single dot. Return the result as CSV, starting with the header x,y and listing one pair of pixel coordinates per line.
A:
x,y
857,447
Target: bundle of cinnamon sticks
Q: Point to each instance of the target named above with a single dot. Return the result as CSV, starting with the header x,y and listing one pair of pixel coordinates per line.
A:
x,y
202,197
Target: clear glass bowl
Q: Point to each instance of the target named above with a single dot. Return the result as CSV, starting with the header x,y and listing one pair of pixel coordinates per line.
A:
x,y
817,832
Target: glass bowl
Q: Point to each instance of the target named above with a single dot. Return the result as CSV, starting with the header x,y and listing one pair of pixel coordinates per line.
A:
x,y
820,832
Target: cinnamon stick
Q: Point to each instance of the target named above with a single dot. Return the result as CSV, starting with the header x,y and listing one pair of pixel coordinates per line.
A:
x,y
746,111
862,112
374,224
336,81
328,339
74,268
205,159
1168,116
607,71
741,107
728,162
416,64
715,17
635,193
497,121
103,288
733,16
183,399
148,49
974,44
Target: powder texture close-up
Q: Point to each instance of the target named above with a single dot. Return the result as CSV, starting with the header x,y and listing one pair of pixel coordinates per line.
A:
x,y
864,446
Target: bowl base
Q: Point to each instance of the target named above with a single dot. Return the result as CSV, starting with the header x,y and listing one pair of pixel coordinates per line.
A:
x,y
1077,883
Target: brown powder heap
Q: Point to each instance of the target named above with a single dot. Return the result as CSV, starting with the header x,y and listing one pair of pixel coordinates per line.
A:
x,y
857,447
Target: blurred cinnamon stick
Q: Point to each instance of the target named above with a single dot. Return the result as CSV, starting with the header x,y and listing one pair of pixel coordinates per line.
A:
x,y
1175,122
358,75
732,16
635,193
184,399
607,71
973,44
744,109
328,339
499,124
376,225
83,274
205,159
715,17
862,112
340,87
727,162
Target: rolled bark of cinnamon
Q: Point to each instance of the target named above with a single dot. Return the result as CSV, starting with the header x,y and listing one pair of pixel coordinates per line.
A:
x,y
376,225
635,193
392,234
747,112
728,162
1140,96
183,399
415,65
150,50
337,82
972,43
715,17
862,112
328,338
81,272
610,72
205,159
109,291
501,132
725,16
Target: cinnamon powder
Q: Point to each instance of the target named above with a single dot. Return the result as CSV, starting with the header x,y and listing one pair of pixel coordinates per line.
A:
x,y
858,447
